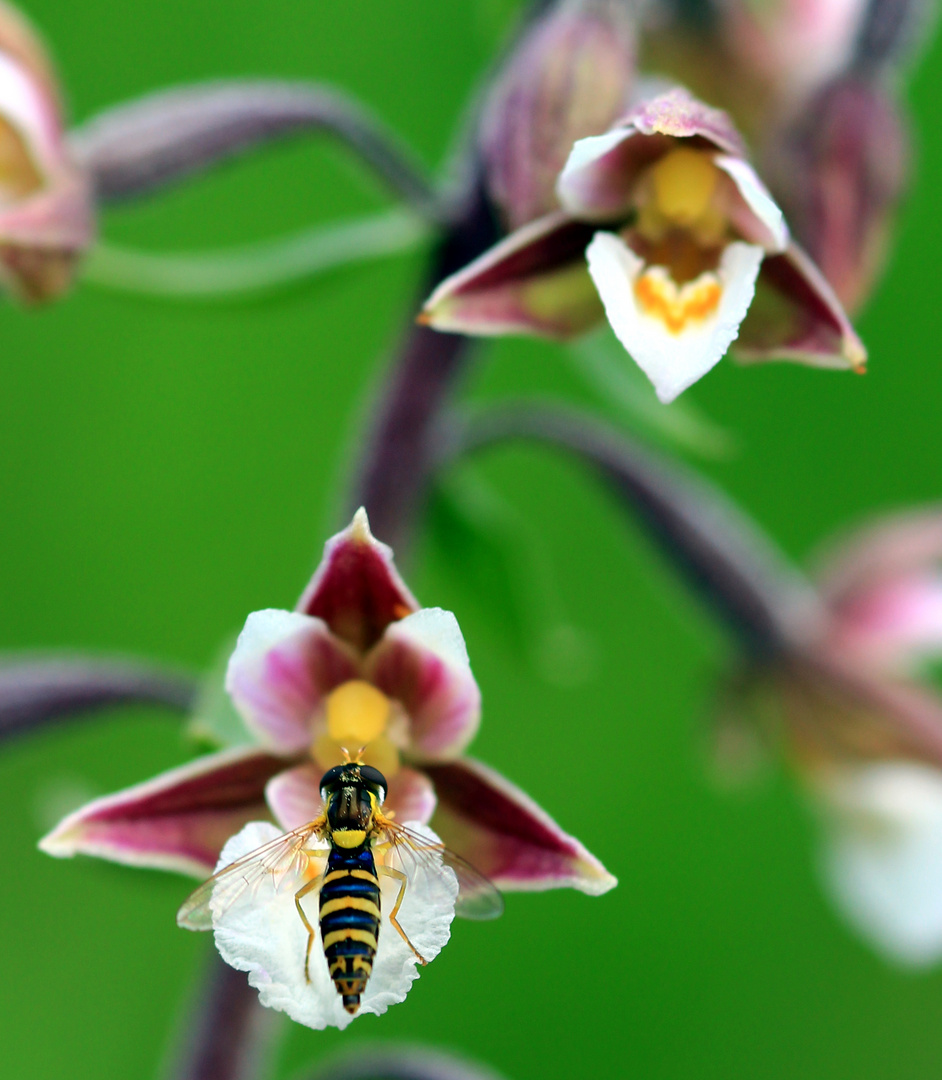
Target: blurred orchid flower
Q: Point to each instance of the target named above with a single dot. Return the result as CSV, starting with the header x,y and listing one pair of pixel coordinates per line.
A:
x,y
358,663
46,211
829,674
865,732
667,227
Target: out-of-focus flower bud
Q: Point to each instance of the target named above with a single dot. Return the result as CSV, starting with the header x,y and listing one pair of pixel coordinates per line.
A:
x,y
792,46
570,77
46,217
840,171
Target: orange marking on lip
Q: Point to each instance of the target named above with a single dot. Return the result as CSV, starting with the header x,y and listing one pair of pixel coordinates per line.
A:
x,y
694,302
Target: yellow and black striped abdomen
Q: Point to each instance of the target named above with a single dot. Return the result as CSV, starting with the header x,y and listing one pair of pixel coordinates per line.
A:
x,y
349,920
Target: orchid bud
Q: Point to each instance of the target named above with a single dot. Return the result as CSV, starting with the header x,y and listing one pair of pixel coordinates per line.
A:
x,y
46,217
841,171
569,77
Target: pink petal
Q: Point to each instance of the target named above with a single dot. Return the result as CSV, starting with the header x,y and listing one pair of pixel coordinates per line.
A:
x,y
754,212
895,623
177,821
295,799
883,584
284,665
891,546
533,282
598,180
798,318
506,836
422,663
356,589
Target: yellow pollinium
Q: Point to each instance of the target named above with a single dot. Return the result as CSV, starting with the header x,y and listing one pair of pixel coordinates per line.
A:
x,y
357,717
684,182
357,713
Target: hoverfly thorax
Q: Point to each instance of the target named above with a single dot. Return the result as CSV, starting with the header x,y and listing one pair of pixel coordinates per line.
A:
x,y
352,794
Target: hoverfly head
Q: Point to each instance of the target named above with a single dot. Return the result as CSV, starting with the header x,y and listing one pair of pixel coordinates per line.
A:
x,y
352,793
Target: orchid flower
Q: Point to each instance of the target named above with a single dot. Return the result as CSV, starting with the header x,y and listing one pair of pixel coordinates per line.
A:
x,y
864,731
666,227
358,664
46,211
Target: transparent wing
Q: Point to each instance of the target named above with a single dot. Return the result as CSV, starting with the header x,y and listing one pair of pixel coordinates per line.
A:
x,y
413,853
287,857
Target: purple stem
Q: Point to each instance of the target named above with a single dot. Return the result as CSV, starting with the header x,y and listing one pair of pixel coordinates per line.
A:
x,y
135,148
723,556
233,1032
393,475
399,1062
37,691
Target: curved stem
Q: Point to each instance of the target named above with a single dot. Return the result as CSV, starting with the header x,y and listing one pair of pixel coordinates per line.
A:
x,y
38,691
233,1034
399,1062
255,268
393,474
761,597
135,148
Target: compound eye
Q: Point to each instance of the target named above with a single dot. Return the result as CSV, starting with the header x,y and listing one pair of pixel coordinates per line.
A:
x,y
331,778
374,778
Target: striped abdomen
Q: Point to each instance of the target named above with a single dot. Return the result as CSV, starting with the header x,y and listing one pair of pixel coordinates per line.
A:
x,y
349,920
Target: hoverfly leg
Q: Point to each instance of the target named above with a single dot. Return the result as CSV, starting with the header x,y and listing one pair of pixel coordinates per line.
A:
x,y
401,878
311,932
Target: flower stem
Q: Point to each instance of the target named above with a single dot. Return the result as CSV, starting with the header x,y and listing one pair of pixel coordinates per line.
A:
x,y
137,147
232,1037
393,474
256,268
38,691
399,1062
761,597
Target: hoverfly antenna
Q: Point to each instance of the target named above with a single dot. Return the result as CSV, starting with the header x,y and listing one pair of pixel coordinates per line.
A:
x,y
353,759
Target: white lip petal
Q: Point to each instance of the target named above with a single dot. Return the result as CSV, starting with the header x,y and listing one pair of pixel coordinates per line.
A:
x,y
261,933
672,361
757,198
882,859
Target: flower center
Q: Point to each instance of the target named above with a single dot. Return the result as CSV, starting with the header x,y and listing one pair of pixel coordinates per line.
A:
x,y
684,182
357,713
358,716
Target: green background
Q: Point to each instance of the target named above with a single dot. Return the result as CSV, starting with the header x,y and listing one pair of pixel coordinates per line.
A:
x,y
167,469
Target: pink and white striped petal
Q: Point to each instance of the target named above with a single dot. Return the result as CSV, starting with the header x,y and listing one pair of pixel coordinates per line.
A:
x,y
176,821
422,662
675,335
357,590
284,665
533,282
504,834
796,316
295,799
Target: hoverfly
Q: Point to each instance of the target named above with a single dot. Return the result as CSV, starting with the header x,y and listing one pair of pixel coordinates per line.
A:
x,y
357,844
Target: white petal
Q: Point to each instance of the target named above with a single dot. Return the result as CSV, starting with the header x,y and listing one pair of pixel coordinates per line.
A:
x,y
672,361
437,630
588,151
757,198
883,856
262,934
